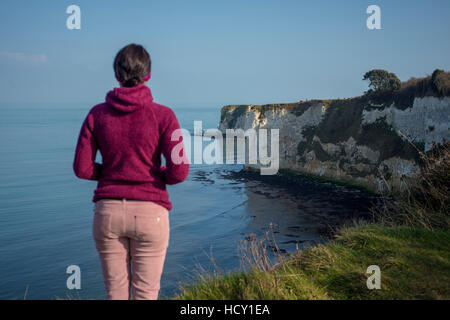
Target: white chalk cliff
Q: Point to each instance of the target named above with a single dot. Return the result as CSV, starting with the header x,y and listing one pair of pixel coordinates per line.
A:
x,y
362,140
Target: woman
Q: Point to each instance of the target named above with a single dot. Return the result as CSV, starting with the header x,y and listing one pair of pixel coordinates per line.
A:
x,y
131,222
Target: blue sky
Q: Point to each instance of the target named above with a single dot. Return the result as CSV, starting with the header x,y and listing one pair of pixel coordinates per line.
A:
x,y
217,52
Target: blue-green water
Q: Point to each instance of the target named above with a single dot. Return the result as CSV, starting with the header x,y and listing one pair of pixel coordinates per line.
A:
x,y
46,212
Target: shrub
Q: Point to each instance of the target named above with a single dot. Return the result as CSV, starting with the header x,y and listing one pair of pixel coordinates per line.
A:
x,y
382,80
441,82
436,85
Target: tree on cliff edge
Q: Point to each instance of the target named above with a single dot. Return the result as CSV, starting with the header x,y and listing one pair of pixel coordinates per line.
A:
x,y
382,80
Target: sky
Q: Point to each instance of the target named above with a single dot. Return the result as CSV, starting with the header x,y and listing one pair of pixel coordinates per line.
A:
x,y
215,53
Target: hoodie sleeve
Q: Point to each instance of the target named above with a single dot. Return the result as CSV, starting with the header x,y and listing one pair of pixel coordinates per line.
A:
x,y
176,169
84,164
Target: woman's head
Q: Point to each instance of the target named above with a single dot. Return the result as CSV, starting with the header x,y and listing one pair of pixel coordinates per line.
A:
x,y
132,65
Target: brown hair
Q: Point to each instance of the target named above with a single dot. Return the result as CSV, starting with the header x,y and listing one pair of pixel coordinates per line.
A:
x,y
132,64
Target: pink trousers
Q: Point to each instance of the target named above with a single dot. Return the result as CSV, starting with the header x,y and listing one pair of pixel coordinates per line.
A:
x,y
131,238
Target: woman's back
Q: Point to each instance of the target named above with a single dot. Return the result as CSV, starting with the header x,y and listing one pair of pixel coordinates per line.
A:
x,y
131,132
127,132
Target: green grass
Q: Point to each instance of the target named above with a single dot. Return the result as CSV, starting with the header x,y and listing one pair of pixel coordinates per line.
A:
x,y
414,263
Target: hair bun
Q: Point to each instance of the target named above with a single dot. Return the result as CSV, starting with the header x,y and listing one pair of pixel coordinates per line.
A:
x,y
133,81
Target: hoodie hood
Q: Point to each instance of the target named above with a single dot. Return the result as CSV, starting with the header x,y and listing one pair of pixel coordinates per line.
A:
x,y
128,99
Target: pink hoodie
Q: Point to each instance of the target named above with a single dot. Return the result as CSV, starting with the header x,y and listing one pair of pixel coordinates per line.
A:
x,y
131,132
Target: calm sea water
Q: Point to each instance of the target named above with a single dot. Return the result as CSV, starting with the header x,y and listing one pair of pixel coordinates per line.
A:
x,y
46,212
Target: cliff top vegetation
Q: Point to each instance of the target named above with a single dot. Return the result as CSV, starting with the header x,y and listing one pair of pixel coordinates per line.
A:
x,y
436,85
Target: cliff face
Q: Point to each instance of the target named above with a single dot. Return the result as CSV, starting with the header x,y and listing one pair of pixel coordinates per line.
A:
x,y
363,140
